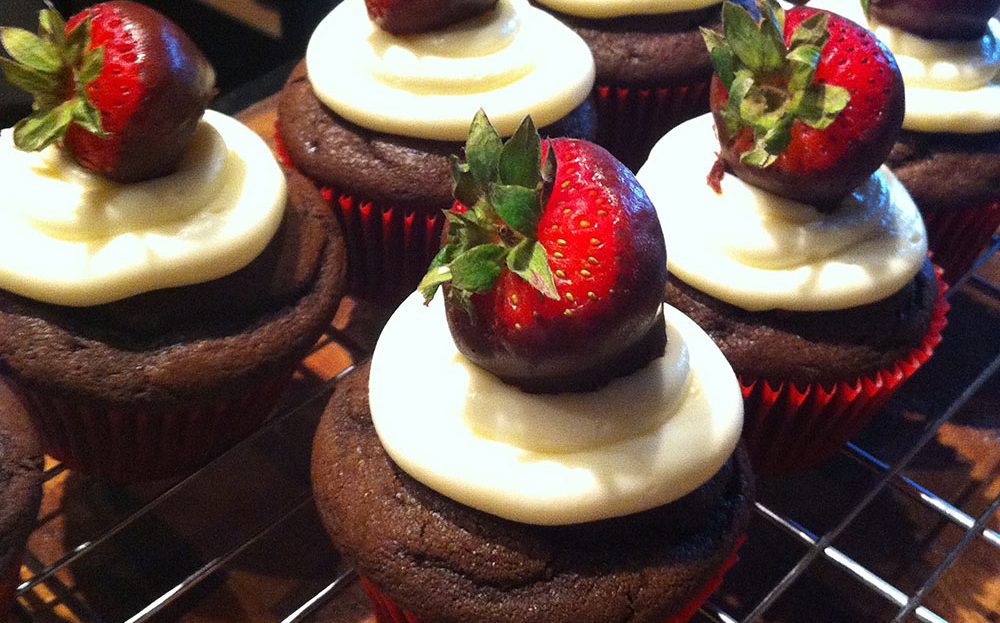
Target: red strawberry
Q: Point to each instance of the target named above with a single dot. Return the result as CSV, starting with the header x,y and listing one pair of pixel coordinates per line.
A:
x,y
936,19
556,274
809,121
405,17
120,84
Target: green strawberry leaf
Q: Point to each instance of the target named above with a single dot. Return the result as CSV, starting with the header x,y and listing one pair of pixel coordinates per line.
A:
x,y
529,261
90,67
482,148
43,128
811,32
759,54
549,166
477,269
77,42
29,80
52,27
436,276
520,157
465,230
721,55
866,7
31,50
88,118
518,207
804,60
820,104
730,112
463,185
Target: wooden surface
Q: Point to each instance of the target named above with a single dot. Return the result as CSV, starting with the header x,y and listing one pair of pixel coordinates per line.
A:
x,y
248,522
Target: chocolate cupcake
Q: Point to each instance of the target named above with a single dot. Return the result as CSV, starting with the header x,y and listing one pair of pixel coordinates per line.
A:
x,y
544,441
376,133
652,66
488,569
150,365
807,264
20,491
948,154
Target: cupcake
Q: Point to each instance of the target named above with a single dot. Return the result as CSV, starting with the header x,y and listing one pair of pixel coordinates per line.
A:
x,y
652,67
150,319
807,263
948,154
20,491
544,441
376,129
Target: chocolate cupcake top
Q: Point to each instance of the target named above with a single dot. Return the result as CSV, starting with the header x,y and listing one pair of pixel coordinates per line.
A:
x,y
21,462
175,345
447,562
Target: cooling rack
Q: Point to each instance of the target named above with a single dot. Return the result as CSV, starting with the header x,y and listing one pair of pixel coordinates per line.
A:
x,y
902,526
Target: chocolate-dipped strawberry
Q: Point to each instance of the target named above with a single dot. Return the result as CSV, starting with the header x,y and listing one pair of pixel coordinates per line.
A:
x,y
120,86
554,275
807,104
406,17
935,19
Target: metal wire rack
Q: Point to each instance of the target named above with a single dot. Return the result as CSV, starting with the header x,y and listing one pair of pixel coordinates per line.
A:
x,y
875,535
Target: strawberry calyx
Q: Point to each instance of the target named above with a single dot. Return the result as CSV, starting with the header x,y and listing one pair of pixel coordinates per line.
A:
x,y
504,187
770,85
54,67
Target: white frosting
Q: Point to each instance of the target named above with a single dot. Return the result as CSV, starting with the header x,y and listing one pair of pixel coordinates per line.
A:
x,y
759,251
600,9
70,237
951,86
514,61
642,441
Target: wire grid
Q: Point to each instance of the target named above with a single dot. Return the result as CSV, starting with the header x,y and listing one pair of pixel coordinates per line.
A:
x,y
39,576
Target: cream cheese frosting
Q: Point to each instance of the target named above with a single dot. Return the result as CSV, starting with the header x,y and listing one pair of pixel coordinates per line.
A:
x,y
71,237
758,251
951,86
513,61
552,459
607,9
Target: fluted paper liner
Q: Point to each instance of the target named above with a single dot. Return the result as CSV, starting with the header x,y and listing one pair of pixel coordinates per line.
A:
x,y
125,443
386,611
956,238
388,247
631,119
790,427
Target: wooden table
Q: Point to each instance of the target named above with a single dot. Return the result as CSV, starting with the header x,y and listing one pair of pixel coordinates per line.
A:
x,y
240,540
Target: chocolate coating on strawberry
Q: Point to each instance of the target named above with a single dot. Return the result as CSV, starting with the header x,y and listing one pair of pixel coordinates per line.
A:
x,y
120,85
809,113
555,277
407,17
936,19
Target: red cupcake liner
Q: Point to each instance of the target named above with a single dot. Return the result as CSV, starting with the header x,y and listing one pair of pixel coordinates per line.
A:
x,y
630,120
146,442
386,611
791,428
957,237
388,247
9,581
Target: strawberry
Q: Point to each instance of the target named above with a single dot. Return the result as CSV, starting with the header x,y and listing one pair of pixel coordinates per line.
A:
x,y
120,85
935,19
406,17
808,114
555,274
